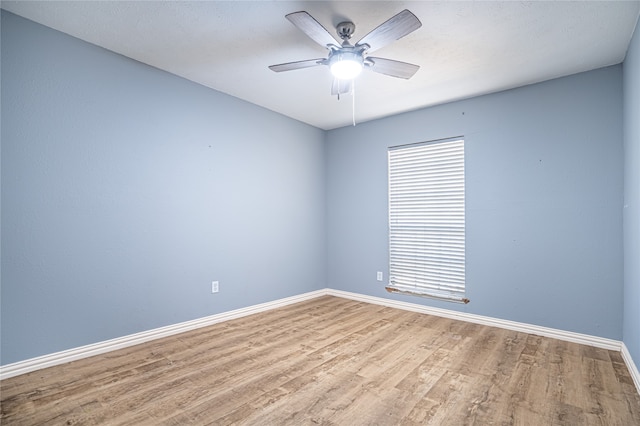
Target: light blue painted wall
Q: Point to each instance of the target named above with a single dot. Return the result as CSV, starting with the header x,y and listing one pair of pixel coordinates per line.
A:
x,y
543,200
631,84
127,190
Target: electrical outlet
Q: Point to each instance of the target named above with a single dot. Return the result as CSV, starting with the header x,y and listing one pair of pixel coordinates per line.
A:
x,y
214,286
379,276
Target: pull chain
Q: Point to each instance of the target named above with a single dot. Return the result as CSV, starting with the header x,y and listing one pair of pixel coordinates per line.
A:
x,y
353,101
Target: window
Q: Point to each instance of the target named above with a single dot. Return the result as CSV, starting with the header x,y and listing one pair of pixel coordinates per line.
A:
x,y
427,220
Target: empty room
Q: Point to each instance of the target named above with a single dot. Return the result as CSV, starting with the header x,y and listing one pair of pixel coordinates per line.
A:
x,y
320,212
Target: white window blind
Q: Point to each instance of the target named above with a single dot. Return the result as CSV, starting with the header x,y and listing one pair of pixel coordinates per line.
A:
x,y
427,220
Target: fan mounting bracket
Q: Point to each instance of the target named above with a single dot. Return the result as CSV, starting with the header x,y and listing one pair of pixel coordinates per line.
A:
x,y
345,30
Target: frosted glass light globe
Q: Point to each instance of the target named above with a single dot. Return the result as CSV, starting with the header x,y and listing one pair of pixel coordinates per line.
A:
x,y
346,69
346,65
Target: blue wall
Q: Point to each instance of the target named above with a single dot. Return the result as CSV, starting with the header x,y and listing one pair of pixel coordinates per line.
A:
x,y
543,201
631,81
127,190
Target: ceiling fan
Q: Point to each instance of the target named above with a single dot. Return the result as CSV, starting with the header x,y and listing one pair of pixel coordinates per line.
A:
x,y
345,60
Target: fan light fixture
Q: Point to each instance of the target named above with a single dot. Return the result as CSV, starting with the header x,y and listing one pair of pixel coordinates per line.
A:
x,y
346,65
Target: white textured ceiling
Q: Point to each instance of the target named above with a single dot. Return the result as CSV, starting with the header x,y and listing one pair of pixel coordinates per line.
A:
x,y
464,49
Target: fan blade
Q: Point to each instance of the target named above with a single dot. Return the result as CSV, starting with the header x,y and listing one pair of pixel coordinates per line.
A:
x,y
395,28
308,25
393,68
296,65
341,87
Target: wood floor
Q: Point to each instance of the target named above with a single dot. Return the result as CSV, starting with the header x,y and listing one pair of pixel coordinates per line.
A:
x,y
332,361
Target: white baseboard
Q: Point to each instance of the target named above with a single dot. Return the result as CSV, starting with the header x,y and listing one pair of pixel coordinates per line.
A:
x,y
33,364
57,358
633,369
